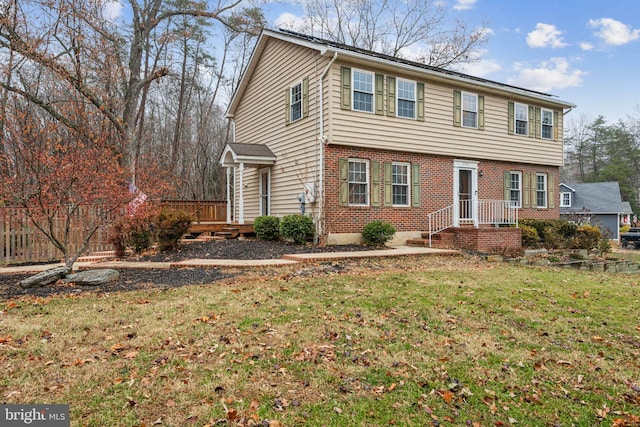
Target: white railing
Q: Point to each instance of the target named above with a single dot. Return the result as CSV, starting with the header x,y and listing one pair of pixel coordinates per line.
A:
x,y
497,212
494,212
440,220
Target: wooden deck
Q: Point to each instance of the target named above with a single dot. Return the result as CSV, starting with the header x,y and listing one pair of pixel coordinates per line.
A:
x,y
211,228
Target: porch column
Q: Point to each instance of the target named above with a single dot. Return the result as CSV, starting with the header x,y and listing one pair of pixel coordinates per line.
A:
x,y
241,196
228,195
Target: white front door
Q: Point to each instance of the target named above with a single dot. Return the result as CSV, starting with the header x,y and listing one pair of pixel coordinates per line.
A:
x,y
465,192
265,193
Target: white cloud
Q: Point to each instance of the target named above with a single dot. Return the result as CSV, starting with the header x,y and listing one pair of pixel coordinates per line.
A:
x,y
113,9
549,75
289,21
586,46
614,32
464,4
545,35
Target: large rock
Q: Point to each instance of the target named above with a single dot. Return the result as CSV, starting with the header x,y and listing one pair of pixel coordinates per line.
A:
x,y
93,277
45,278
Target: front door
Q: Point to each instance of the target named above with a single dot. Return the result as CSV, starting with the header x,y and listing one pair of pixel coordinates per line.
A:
x,y
265,192
465,192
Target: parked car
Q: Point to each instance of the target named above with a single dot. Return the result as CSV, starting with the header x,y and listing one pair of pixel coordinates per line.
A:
x,y
631,237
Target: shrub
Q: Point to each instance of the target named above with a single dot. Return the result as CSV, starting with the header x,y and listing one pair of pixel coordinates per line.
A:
x,y
377,233
530,237
267,227
587,237
298,228
133,232
171,226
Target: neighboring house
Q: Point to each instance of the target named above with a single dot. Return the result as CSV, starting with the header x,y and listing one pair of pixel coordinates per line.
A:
x,y
365,136
595,203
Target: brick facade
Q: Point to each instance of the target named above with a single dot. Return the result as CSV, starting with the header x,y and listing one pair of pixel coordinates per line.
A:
x,y
436,187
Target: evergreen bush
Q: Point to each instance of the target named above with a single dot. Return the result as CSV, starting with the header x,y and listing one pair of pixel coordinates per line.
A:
x,y
298,228
377,233
267,227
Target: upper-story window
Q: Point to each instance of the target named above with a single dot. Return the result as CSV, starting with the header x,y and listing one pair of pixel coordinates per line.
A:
x,y
401,179
358,182
565,200
296,101
362,91
521,119
547,124
406,98
469,110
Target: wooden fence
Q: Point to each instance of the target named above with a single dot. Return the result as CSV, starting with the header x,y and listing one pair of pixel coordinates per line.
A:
x,y
22,242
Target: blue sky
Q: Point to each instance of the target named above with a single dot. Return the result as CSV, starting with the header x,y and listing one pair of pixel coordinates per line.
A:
x,y
584,51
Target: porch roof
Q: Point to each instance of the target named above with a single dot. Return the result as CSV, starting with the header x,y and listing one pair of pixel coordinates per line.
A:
x,y
252,155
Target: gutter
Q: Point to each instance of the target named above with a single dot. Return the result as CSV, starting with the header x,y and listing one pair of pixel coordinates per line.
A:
x,y
322,139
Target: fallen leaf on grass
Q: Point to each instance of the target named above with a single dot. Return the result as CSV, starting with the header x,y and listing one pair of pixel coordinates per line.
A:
x,y
6,339
131,355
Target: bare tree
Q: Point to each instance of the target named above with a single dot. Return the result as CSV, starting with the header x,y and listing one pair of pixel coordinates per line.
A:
x,y
420,30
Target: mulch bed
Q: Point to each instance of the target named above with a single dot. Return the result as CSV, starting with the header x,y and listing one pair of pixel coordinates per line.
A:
x,y
133,279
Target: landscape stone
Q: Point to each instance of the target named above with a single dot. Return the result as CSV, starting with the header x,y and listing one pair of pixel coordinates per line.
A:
x,y
93,277
45,278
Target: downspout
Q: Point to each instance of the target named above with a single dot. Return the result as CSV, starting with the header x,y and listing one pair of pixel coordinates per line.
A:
x,y
322,138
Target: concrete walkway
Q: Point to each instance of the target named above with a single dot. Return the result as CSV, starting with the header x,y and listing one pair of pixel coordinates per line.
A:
x,y
240,263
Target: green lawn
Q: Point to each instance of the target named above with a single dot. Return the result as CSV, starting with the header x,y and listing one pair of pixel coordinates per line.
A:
x,y
439,342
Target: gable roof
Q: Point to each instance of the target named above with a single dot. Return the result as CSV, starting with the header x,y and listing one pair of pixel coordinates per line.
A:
x,y
345,51
595,198
251,154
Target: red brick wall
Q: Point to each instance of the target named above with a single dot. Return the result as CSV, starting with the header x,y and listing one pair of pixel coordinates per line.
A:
x,y
436,177
493,240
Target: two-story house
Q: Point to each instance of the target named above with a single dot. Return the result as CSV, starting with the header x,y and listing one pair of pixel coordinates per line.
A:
x,y
365,136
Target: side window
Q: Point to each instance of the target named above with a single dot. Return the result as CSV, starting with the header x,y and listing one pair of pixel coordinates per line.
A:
x,y
296,102
406,98
362,91
565,200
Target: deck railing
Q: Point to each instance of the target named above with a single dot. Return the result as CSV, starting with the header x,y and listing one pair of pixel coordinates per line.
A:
x,y
497,212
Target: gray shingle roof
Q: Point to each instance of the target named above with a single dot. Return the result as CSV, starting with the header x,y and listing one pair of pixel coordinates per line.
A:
x,y
251,150
595,197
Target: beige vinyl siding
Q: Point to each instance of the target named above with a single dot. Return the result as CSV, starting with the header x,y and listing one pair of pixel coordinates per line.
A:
x,y
260,118
437,134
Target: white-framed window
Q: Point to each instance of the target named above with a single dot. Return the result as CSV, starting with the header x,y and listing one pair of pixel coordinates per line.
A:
x,y
406,98
565,200
515,184
296,101
469,110
400,180
358,182
547,123
541,190
362,90
521,119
